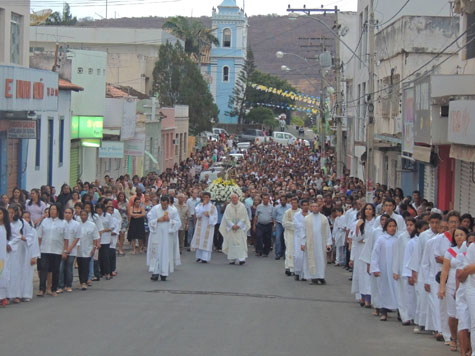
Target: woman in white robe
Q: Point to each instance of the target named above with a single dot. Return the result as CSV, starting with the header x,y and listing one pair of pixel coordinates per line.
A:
x,y
398,266
5,235
366,258
361,284
31,256
381,268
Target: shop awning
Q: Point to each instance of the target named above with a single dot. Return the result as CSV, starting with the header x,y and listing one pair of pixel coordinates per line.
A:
x,y
463,152
422,153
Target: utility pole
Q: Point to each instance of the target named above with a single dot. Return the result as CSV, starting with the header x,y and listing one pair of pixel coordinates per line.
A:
x,y
336,33
338,116
370,128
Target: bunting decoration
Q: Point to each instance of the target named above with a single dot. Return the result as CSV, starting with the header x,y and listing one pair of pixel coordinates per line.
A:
x,y
310,100
284,106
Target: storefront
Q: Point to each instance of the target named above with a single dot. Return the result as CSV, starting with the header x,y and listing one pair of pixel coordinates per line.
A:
x,y
86,135
24,94
461,135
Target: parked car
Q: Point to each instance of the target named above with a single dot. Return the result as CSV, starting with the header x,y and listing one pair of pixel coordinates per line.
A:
x,y
243,146
218,131
286,138
253,135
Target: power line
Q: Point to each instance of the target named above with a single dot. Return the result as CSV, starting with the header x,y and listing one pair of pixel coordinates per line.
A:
x,y
421,67
392,17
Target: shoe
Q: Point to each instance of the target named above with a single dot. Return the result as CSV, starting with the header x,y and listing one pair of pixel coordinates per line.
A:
x,y
95,279
59,291
277,258
406,323
69,290
323,281
26,300
198,260
83,286
163,278
154,277
241,263
89,283
40,294
296,277
287,272
203,261
304,279
232,263
4,302
417,330
316,281
108,278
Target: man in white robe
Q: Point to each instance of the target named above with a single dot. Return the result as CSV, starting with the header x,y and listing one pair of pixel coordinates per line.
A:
x,y
299,224
234,228
289,231
317,241
206,217
388,206
162,255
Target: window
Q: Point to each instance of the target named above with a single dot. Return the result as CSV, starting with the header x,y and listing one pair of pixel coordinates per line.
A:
x,y
279,135
90,71
61,141
15,38
470,36
80,70
225,74
227,37
38,146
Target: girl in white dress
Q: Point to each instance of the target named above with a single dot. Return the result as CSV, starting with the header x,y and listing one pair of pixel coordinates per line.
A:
x,y
5,235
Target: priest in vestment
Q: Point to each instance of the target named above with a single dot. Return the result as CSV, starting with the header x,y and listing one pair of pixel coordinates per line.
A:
x,y
299,234
289,231
315,244
206,217
234,228
162,252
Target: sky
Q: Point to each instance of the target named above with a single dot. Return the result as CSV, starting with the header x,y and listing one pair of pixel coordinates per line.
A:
x,y
166,8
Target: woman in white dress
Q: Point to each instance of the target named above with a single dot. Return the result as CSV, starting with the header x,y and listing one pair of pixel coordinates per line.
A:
x,y
447,286
381,268
5,235
361,280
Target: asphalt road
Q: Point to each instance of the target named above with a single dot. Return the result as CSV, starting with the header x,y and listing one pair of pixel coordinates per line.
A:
x,y
214,309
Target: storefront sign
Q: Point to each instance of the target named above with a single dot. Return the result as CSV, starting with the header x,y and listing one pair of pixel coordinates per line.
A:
x,y
111,149
136,146
27,89
22,129
86,127
462,122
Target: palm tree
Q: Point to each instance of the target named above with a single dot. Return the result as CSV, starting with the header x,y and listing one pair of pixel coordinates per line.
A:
x,y
195,35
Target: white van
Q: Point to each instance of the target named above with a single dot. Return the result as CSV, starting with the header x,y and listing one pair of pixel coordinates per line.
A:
x,y
285,138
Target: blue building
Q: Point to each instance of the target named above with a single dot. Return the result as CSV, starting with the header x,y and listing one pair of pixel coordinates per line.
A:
x,y
227,59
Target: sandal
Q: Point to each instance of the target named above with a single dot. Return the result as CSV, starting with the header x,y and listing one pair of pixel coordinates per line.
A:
x,y
40,294
384,318
16,301
453,345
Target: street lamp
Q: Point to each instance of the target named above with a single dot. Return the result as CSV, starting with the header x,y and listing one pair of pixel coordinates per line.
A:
x,y
284,68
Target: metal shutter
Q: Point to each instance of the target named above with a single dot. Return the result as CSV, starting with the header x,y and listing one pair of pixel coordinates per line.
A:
x,y
430,187
74,165
466,199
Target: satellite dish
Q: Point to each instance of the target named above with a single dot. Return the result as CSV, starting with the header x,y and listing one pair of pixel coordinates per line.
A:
x,y
38,17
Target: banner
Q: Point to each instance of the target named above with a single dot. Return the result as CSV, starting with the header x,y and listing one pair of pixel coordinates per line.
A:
x,y
311,100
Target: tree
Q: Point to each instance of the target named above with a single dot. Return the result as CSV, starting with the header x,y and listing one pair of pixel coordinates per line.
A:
x,y
255,96
177,80
237,102
263,116
195,35
64,19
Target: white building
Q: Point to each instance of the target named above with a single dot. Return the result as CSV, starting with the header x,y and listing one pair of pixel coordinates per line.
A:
x,y
386,13
131,52
48,156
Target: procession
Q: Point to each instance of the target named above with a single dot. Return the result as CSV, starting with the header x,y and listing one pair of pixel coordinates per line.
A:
x,y
408,261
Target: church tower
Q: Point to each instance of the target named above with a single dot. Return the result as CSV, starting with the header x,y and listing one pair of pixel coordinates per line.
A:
x,y
227,59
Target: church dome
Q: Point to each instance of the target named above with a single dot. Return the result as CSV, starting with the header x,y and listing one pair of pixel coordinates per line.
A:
x,y
228,3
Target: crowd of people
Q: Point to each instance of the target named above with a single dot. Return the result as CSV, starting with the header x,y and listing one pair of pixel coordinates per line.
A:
x,y
405,255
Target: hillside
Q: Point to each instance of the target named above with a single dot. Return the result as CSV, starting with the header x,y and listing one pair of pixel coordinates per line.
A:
x,y
267,35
